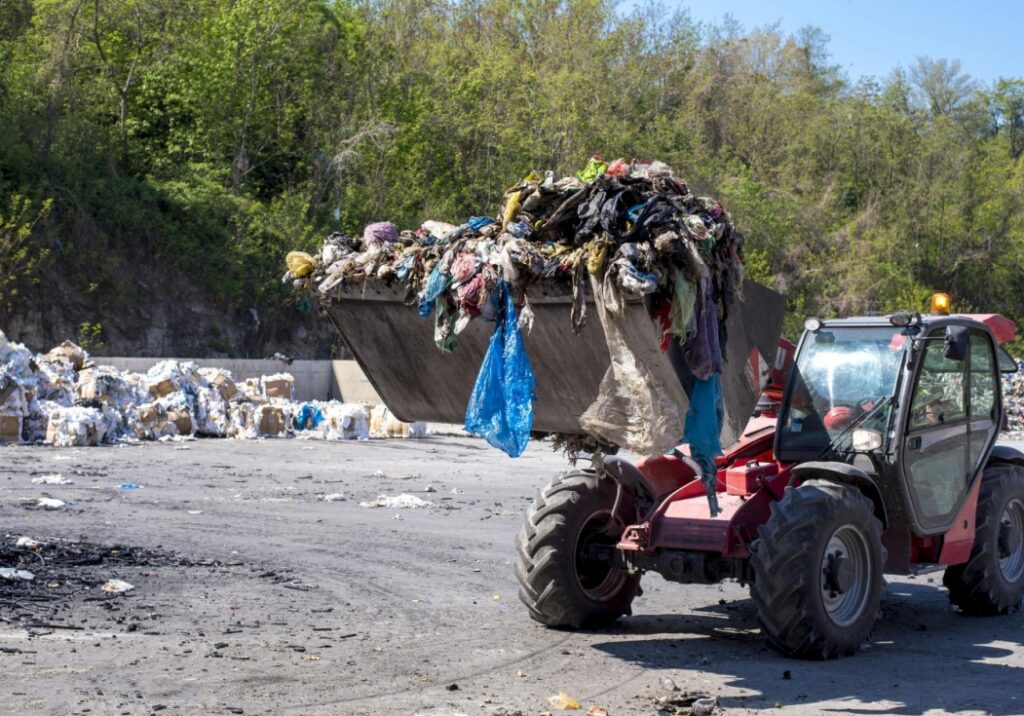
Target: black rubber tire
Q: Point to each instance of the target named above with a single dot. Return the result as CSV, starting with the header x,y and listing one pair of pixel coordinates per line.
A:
x,y
978,586
787,561
547,553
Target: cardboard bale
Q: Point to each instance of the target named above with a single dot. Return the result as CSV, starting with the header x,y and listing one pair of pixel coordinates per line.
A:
x,y
150,414
10,428
271,421
182,421
383,424
86,421
278,387
250,387
69,353
162,388
87,386
224,385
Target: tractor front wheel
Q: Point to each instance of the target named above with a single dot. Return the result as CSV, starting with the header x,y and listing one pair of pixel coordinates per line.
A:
x,y
566,575
818,571
992,579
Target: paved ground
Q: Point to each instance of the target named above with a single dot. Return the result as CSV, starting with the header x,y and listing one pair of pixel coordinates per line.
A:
x,y
255,596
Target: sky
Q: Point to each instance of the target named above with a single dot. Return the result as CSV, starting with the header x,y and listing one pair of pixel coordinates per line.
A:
x,y
871,37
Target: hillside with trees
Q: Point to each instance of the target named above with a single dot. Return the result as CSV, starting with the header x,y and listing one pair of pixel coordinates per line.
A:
x,y
159,157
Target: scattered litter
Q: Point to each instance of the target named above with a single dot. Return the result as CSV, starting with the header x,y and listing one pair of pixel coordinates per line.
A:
x,y
563,702
50,503
688,704
28,543
129,486
55,479
704,707
597,711
15,575
402,502
195,512
334,497
668,684
117,586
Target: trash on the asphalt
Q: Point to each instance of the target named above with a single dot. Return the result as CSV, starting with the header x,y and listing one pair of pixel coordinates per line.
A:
x,y
563,702
65,399
334,497
704,707
129,486
27,542
695,703
13,575
50,503
403,501
117,586
597,711
55,479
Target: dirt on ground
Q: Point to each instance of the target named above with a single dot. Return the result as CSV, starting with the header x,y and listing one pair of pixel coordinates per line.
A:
x,y
260,585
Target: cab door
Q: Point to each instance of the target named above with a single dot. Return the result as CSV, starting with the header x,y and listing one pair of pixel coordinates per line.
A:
x,y
951,425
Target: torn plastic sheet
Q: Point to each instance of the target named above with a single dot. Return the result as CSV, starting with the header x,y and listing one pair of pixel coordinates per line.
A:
x,y
633,408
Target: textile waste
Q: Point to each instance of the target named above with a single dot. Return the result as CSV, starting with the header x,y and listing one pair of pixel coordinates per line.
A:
x,y
620,231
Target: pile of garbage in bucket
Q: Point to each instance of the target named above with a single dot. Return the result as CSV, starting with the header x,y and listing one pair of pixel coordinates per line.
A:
x,y
63,398
614,232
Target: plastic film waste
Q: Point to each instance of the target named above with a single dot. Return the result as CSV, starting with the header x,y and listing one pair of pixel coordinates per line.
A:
x,y
500,408
632,408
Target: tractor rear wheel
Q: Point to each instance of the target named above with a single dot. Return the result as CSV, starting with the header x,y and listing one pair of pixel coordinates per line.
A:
x,y
564,566
818,571
992,579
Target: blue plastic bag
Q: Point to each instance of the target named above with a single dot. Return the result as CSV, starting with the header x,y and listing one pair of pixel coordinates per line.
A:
x,y
308,417
703,432
437,282
500,409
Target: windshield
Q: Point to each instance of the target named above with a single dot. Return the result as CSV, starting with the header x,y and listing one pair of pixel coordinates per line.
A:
x,y
841,375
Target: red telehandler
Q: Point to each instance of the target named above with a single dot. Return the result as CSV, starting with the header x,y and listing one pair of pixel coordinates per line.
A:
x,y
878,455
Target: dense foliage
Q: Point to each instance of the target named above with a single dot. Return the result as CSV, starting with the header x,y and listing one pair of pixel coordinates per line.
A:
x,y
215,135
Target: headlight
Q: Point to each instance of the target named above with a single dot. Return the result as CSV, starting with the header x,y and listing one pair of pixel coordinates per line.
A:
x,y
866,440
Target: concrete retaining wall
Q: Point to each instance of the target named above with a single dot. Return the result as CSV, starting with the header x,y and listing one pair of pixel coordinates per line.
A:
x,y
314,379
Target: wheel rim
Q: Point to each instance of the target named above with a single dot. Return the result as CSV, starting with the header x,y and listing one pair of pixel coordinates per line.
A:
x,y
1011,541
598,579
846,575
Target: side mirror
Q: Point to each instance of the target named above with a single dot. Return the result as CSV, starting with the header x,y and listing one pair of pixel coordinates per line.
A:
x,y
957,338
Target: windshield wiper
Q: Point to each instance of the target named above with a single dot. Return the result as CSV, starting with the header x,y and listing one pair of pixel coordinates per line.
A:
x,y
831,447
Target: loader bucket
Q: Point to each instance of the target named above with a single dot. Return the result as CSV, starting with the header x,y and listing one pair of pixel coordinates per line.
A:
x,y
395,348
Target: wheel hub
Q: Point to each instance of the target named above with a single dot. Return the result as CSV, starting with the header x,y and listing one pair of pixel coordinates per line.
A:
x,y
596,575
846,575
838,573
1011,541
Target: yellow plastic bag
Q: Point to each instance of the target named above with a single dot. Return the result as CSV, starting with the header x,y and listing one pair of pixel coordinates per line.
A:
x,y
515,200
300,263
597,254
563,702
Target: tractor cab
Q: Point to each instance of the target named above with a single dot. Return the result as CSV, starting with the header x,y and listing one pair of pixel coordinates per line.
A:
x,y
913,402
